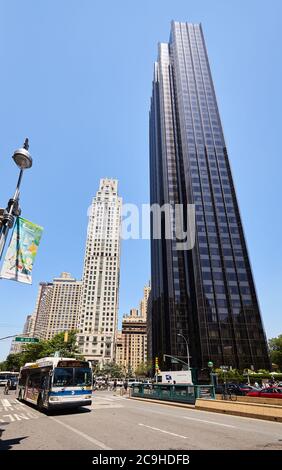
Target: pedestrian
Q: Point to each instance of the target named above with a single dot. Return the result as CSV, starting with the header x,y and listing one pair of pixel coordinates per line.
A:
x,y
7,387
115,385
256,384
125,385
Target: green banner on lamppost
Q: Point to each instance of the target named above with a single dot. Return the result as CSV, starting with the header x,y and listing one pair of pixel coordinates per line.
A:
x,y
21,253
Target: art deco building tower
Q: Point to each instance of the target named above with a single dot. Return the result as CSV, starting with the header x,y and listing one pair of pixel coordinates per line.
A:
x,y
206,294
99,301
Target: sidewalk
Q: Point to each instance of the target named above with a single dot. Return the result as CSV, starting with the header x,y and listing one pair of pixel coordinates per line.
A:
x,y
250,410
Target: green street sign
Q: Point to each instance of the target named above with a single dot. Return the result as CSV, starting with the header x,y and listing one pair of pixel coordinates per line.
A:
x,y
210,364
20,339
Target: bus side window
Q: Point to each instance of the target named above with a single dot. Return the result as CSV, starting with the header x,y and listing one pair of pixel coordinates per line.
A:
x,y
35,380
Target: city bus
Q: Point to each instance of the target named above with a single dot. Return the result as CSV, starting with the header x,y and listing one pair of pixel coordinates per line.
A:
x,y
56,382
6,375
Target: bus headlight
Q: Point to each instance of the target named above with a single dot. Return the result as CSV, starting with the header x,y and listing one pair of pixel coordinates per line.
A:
x,y
54,399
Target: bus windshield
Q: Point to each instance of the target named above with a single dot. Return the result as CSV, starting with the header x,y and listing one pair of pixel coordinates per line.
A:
x,y
82,377
71,377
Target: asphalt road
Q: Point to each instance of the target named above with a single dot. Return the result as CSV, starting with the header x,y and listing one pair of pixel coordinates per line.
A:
x,y
117,423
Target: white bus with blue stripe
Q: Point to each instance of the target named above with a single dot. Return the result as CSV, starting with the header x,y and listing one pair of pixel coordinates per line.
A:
x,y
56,382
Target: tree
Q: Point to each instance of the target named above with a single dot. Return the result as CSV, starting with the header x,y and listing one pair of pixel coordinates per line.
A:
x,y
13,362
275,350
113,370
34,351
129,372
229,375
65,348
3,366
143,369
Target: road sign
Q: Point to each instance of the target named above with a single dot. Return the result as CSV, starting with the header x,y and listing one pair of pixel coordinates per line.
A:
x,y
210,364
21,339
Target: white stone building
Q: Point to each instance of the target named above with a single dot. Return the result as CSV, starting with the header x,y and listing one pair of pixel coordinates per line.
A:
x,y
99,300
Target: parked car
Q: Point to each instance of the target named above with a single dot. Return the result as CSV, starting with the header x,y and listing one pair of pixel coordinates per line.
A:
x,y
219,388
132,383
271,392
236,389
147,384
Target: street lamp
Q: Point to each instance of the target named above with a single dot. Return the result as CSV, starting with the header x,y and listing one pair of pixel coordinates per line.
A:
x,y
23,161
11,336
187,348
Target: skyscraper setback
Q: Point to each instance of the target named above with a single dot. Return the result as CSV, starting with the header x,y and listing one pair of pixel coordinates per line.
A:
x,y
206,294
99,300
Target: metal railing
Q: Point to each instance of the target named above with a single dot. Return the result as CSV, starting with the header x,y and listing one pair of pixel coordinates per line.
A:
x,y
182,393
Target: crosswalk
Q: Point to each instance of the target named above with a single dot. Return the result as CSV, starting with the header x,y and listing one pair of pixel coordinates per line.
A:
x,y
100,402
11,410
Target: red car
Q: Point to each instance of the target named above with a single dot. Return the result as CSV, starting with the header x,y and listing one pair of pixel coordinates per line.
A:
x,y
271,392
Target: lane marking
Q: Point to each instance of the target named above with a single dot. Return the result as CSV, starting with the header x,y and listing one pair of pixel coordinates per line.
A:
x,y
162,430
5,402
17,402
19,417
114,398
105,406
82,434
10,416
210,422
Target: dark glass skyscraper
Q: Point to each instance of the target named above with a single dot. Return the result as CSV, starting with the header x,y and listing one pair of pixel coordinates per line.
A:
x,y
206,294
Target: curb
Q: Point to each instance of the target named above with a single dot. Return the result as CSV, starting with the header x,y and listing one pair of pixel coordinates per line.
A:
x,y
163,402
228,410
268,412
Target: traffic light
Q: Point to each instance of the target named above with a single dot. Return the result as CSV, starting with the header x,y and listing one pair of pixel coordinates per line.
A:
x,y
66,336
157,364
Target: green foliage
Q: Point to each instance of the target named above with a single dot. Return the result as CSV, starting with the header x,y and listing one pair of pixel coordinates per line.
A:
x,y
129,372
66,349
34,351
143,370
275,350
112,370
3,366
13,362
233,375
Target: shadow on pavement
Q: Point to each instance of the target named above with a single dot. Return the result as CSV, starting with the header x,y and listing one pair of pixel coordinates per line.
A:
x,y
67,411
58,412
9,443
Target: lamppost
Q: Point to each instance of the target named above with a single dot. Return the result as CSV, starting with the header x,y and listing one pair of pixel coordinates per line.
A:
x,y
187,348
11,336
23,160
225,369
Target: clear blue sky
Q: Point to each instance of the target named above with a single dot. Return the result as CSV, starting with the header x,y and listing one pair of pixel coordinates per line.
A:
x,y
76,79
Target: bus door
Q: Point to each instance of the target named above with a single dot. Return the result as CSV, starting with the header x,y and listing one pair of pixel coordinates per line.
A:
x,y
45,386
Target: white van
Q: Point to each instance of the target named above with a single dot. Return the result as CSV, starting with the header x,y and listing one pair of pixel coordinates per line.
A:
x,y
175,376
